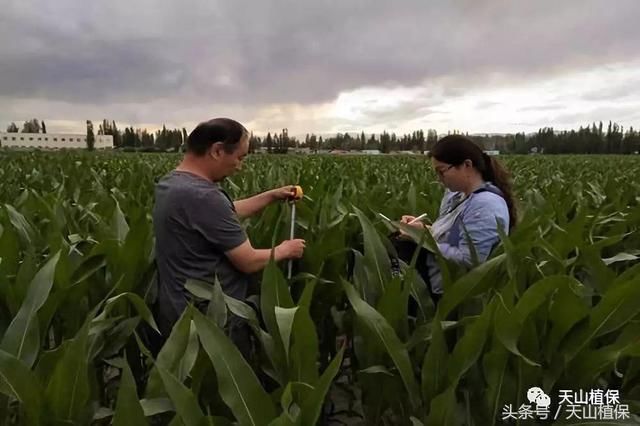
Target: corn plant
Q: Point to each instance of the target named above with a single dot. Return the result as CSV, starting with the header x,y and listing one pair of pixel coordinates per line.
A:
x,y
555,306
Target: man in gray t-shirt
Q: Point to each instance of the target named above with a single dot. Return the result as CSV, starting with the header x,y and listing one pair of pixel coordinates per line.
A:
x,y
196,224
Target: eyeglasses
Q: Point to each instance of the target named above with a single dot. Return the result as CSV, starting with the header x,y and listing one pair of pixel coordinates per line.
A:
x,y
441,172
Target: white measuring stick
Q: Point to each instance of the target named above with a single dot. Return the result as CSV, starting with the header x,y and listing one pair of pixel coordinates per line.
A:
x,y
291,234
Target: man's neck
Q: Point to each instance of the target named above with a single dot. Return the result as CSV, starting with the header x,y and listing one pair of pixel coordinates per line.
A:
x,y
193,166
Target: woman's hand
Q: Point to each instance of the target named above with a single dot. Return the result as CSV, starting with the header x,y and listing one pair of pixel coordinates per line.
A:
x,y
418,224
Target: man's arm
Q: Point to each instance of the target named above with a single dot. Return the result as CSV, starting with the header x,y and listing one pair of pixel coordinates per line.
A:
x,y
253,205
249,260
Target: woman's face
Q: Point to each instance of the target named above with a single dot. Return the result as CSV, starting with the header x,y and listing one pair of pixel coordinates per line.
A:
x,y
453,177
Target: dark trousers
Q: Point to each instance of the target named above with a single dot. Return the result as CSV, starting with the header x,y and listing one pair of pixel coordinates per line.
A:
x,y
405,250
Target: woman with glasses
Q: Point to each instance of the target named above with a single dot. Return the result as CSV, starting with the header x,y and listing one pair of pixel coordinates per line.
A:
x,y
478,200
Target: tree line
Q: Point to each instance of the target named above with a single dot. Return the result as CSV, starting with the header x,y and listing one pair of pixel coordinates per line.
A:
x,y
590,139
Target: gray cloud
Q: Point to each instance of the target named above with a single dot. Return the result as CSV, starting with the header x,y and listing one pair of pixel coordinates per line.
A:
x,y
212,54
486,104
100,72
569,120
619,91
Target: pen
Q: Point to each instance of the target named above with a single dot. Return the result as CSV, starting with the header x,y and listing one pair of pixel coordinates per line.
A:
x,y
422,216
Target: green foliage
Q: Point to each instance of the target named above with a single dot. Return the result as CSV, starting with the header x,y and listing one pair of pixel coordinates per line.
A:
x,y
555,306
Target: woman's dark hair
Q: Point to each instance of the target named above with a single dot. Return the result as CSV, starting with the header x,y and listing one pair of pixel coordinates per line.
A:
x,y
455,149
224,130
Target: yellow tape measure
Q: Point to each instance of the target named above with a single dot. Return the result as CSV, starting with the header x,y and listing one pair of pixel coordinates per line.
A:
x,y
296,193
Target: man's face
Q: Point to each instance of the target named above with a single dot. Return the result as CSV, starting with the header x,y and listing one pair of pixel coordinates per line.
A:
x,y
226,164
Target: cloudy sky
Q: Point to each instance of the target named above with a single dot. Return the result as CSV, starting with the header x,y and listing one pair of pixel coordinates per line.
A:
x,y
322,66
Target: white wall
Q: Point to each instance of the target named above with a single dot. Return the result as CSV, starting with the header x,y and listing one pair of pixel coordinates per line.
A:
x,y
53,140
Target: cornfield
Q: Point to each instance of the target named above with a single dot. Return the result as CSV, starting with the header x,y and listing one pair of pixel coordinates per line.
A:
x,y
557,306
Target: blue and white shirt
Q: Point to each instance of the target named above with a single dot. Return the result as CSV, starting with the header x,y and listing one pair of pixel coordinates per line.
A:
x,y
481,213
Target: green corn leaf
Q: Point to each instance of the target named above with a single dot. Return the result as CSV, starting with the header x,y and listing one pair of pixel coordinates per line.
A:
x,y
376,323
16,380
22,337
239,387
128,408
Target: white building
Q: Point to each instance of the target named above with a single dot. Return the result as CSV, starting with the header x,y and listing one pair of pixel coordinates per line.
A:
x,y
53,140
406,152
300,150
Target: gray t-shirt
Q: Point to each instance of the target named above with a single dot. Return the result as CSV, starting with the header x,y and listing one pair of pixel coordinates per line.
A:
x,y
195,222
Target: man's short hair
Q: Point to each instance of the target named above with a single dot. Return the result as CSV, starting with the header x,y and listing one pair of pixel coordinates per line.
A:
x,y
224,130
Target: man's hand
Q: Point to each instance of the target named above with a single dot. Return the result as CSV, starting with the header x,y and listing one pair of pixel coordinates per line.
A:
x,y
283,193
290,249
253,205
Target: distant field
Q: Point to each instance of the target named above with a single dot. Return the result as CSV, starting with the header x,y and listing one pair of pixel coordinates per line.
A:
x,y
556,307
